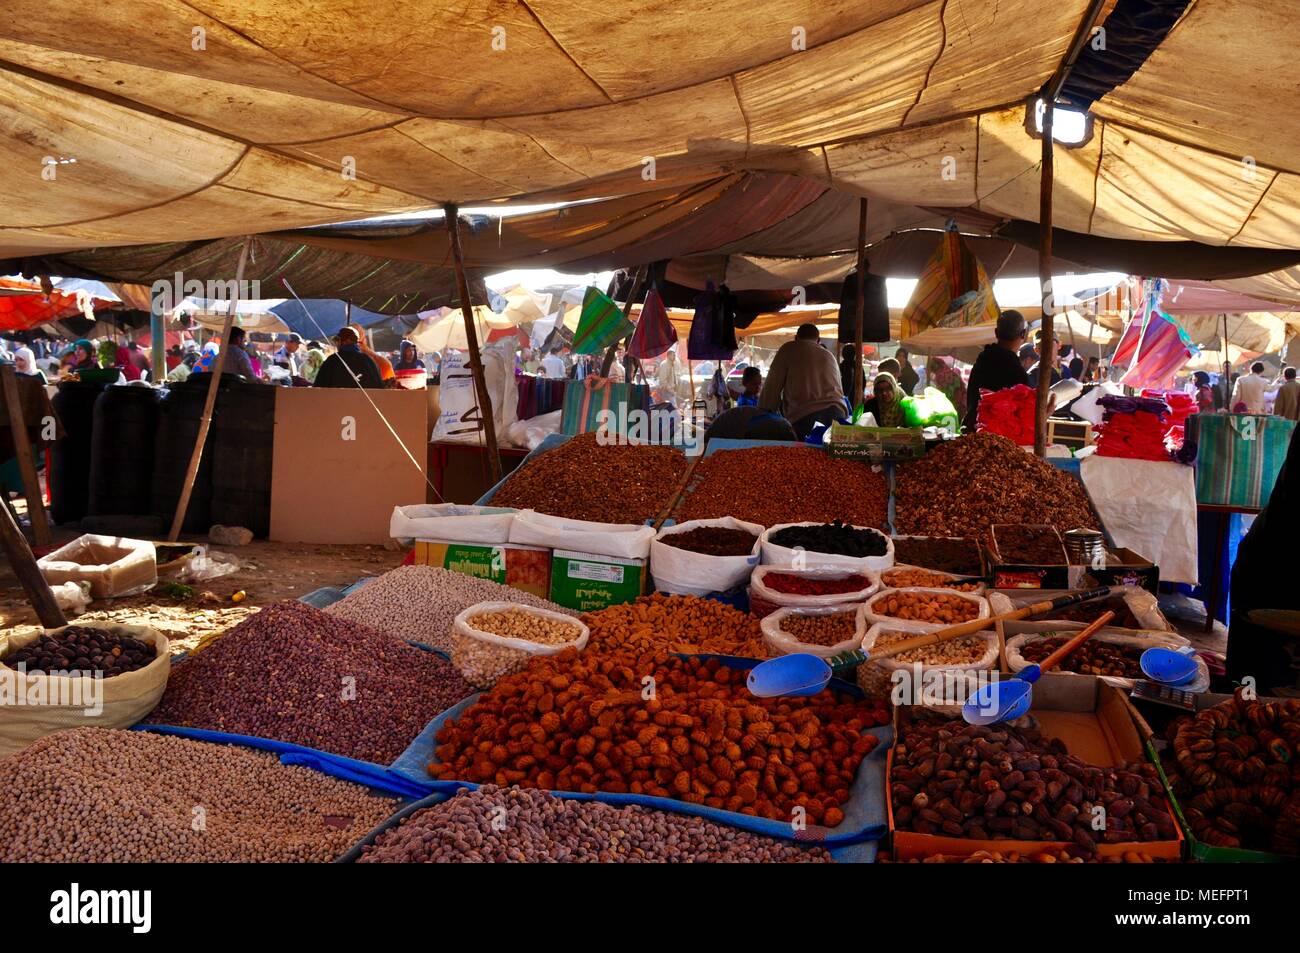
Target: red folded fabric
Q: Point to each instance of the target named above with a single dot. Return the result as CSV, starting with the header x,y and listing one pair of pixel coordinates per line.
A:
x,y
1008,413
1135,436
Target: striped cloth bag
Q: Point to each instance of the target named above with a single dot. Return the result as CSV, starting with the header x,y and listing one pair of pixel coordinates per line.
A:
x,y
601,324
654,333
1238,457
953,291
586,400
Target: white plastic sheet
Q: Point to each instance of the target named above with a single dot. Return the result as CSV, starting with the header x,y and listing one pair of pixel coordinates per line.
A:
x,y
1147,506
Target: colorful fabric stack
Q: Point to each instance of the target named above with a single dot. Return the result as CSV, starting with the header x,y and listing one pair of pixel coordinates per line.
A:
x,y
1181,406
1133,428
1008,413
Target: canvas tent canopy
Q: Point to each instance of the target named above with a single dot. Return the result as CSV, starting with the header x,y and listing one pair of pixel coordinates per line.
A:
x,y
164,122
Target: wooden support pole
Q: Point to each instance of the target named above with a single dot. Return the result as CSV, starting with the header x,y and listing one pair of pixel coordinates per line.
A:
x,y
26,461
1045,281
158,340
28,573
452,215
632,295
858,397
205,422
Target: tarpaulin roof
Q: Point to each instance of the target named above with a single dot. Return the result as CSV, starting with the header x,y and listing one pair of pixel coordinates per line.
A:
x,y
159,121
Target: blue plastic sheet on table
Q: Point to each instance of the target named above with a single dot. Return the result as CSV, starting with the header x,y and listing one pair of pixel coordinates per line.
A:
x,y
861,853
348,769
326,596
864,814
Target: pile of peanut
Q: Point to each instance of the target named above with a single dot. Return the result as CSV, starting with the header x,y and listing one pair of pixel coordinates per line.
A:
x,y
482,663
676,624
963,651
665,726
925,607
820,628
925,578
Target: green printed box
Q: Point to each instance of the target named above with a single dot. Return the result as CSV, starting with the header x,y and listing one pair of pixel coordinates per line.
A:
x,y
521,567
589,582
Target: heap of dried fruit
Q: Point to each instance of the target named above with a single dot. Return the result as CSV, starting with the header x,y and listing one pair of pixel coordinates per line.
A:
x,y
1236,772
998,782
964,486
1094,657
661,622
817,583
587,723
606,482
820,628
835,537
83,649
1040,857
905,578
712,541
920,606
1029,545
770,485
1093,610
955,555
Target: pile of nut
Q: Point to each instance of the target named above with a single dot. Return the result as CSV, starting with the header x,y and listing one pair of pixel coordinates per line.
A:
x,y
925,607
820,628
683,728
770,485
296,674
99,795
676,623
904,578
964,651
586,478
1236,771
420,603
712,541
961,557
1000,782
1029,545
962,487
1094,657
482,662
519,825
83,649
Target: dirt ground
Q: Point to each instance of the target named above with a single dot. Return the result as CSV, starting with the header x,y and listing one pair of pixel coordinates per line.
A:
x,y
274,571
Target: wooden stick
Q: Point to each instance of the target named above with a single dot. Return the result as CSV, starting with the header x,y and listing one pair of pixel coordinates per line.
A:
x,y
859,383
632,295
205,422
677,494
26,461
452,215
1048,324
1060,655
28,573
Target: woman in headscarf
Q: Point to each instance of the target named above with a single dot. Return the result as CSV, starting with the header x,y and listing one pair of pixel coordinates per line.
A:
x,y
1204,392
386,372
885,405
315,358
408,358
25,363
944,377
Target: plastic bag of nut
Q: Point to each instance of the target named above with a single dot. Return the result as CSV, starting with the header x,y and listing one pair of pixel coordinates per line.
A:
x,y
493,639
939,676
1137,642
822,632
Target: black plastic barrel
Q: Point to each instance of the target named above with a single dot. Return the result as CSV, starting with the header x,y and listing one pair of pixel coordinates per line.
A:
x,y
121,451
178,428
244,433
74,405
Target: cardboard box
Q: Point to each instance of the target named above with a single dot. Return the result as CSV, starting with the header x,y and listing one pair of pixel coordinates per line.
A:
x,y
1075,434
588,582
527,568
852,442
1126,569
1095,723
1009,575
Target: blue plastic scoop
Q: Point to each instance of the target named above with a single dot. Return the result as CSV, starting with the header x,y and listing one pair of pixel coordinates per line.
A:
x,y
1170,666
790,675
1009,699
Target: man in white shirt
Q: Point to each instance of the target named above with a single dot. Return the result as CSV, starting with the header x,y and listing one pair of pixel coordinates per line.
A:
x,y
286,355
1250,390
553,366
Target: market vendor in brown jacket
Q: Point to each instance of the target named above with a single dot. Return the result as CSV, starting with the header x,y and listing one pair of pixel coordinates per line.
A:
x,y
804,383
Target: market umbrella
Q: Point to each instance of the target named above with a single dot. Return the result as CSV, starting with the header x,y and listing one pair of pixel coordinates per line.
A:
x,y
445,328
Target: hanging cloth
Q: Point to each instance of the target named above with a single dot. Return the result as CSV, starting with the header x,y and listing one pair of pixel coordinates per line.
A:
x,y
875,309
601,324
708,338
654,333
